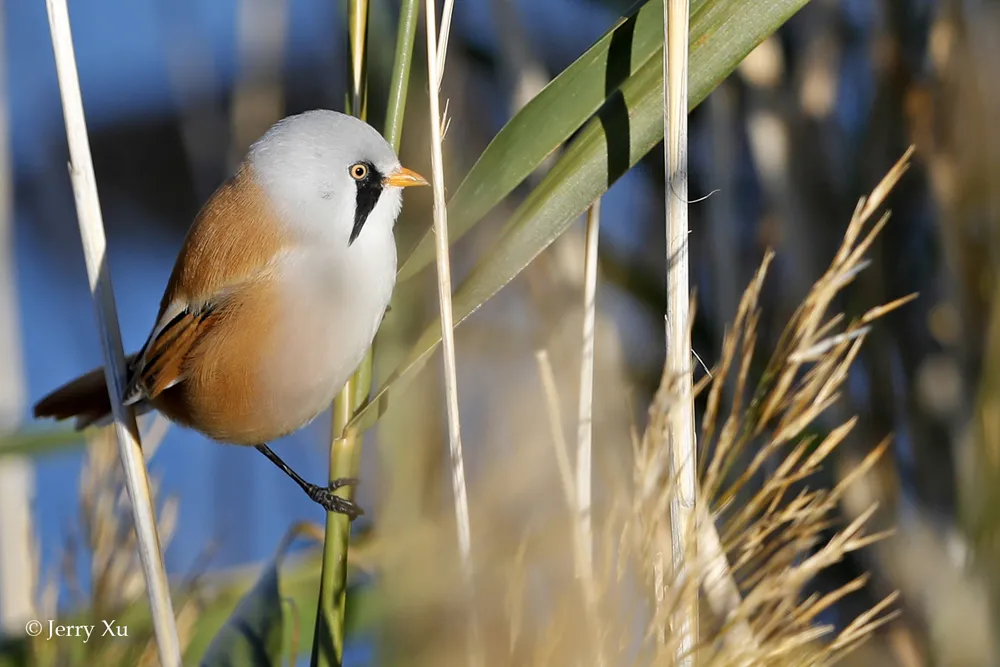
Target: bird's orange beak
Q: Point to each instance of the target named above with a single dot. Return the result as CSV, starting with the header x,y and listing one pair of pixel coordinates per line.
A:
x,y
405,178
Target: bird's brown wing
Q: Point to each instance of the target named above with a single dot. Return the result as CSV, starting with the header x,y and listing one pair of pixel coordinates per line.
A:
x,y
156,367
160,363
235,238
233,241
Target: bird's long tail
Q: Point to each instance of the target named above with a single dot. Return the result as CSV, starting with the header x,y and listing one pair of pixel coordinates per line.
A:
x,y
85,398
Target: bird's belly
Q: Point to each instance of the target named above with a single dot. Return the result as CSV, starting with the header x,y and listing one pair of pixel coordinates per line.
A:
x,y
327,327
300,357
331,324
316,360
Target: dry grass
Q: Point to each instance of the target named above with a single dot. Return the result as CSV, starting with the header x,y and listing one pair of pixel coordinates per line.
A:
x,y
781,535
103,545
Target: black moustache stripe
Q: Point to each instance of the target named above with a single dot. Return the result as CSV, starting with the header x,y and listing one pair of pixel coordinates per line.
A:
x,y
369,190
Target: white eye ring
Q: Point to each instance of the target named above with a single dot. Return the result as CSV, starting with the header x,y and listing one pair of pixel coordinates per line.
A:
x,y
359,171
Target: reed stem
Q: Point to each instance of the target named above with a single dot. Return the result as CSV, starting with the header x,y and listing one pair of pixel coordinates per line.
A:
x,y
680,426
345,445
357,18
91,222
17,473
345,460
345,448
436,49
406,36
585,416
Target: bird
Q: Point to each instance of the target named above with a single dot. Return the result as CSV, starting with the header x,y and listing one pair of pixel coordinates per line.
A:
x,y
275,296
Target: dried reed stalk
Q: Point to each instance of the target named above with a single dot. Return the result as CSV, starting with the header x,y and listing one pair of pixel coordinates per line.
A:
x,y
94,246
441,52
585,415
678,334
436,51
17,474
258,98
582,542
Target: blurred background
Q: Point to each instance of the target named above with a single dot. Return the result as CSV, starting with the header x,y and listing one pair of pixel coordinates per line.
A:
x,y
175,90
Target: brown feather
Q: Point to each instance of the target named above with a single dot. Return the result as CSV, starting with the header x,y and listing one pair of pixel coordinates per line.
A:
x,y
234,238
221,393
162,362
85,398
226,260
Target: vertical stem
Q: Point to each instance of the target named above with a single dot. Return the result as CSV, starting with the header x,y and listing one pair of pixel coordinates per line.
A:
x,y
345,459
345,447
585,417
435,71
441,49
405,38
17,474
678,331
357,17
258,96
661,634
94,246
569,489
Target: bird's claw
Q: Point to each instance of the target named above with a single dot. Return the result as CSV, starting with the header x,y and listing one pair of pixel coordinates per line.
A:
x,y
325,497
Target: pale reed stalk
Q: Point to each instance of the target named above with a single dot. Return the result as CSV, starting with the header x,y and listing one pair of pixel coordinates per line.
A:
x,y
94,246
17,474
681,437
587,582
442,41
585,415
435,68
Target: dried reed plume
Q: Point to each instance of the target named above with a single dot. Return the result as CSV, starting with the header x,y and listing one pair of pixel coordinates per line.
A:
x,y
104,545
760,609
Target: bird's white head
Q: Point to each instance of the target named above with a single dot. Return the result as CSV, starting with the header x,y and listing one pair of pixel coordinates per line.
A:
x,y
330,177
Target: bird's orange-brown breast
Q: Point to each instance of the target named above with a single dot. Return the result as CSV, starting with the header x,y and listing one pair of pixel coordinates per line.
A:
x,y
225,392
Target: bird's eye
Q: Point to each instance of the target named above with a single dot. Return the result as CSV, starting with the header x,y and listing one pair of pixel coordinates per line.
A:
x,y
359,171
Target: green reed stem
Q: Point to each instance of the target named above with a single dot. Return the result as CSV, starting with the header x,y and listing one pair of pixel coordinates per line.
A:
x,y
345,447
400,82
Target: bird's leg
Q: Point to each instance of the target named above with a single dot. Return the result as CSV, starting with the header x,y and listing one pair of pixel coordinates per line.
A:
x,y
320,494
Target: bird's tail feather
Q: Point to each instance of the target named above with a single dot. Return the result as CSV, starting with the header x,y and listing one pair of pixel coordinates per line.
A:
x,y
85,398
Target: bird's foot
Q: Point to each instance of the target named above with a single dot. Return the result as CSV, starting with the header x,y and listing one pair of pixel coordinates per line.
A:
x,y
324,496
